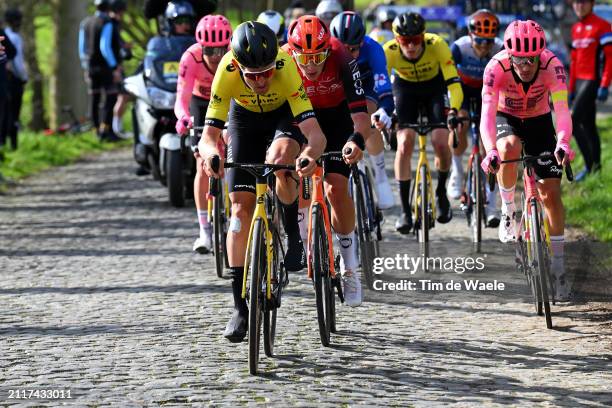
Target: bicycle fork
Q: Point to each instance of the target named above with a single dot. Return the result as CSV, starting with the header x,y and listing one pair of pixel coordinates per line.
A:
x,y
418,200
318,198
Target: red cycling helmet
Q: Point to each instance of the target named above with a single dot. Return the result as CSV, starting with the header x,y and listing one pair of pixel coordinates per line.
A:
x,y
308,35
214,31
524,39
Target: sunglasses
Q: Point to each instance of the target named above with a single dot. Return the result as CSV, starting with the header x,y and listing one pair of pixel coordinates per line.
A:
x,y
410,39
305,59
254,76
214,51
524,60
483,41
182,20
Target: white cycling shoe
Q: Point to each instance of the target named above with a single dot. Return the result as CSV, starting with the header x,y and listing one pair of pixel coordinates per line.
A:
x,y
507,228
203,245
385,194
351,283
455,185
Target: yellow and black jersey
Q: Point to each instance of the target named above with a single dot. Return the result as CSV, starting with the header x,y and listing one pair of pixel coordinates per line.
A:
x,y
435,59
286,86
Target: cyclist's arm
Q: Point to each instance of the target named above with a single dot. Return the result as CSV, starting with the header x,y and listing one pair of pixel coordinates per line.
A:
x,y
106,45
208,145
351,80
382,84
558,93
490,98
316,140
451,77
184,87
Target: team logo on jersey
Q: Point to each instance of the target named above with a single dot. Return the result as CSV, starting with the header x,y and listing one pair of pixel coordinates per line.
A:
x,y
393,47
321,34
215,99
560,74
280,63
230,67
380,80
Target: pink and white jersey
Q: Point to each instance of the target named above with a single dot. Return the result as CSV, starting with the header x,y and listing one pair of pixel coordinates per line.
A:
x,y
503,91
194,78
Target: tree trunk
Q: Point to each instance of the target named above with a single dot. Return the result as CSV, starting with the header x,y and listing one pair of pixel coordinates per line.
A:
x,y
67,85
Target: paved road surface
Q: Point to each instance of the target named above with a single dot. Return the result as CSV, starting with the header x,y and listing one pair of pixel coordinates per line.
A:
x,y
101,294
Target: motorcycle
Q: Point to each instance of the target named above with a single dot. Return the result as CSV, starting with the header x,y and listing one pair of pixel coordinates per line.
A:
x,y
157,146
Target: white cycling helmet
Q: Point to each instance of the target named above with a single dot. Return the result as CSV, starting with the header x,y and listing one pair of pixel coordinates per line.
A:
x,y
274,20
328,9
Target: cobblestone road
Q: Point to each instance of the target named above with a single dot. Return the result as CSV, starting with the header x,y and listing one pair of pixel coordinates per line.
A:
x,y
101,294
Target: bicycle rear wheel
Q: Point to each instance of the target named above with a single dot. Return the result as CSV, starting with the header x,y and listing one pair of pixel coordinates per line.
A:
x,y
374,213
271,308
366,246
257,270
541,263
320,274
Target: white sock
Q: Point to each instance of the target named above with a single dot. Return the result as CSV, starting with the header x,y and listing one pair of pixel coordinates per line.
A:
x,y
203,221
557,244
348,252
378,165
507,197
117,124
458,164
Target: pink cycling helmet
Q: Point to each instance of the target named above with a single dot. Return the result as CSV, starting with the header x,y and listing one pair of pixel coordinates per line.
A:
x,y
214,31
524,39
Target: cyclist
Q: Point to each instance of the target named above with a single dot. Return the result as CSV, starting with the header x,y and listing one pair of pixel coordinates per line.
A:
x,y
328,9
516,111
348,27
332,81
424,70
196,71
383,33
471,53
276,22
262,89
590,78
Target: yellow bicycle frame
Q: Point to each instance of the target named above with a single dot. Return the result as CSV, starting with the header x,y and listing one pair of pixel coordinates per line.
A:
x,y
260,212
422,162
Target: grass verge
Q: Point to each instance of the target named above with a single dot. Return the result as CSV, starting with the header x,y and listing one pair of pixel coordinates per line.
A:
x,y
587,204
38,152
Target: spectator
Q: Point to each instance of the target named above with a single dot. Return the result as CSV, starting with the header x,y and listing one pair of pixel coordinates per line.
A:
x,y
157,8
591,37
295,10
327,10
16,78
7,53
117,9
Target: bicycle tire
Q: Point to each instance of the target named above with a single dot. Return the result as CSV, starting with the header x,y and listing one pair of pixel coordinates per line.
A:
x,y
365,241
424,213
477,215
270,314
374,213
257,269
320,274
218,233
541,263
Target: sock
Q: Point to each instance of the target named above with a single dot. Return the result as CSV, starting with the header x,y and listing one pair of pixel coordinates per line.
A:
x,y
557,244
348,250
507,197
457,164
303,224
442,176
378,164
404,191
117,124
290,219
203,220
237,274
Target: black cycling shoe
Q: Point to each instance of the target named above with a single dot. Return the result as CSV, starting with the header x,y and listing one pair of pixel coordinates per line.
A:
x,y
403,225
443,208
142,171
236,328
295,257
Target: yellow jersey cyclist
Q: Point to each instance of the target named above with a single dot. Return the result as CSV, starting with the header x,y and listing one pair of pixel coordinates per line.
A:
x,y
424,70
261,88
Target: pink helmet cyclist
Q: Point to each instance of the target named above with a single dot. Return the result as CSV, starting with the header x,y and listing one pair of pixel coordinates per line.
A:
x,y
524,39
214,31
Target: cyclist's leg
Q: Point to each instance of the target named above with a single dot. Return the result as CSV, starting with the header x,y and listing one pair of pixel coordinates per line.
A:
x,y
376,151
442,151
197,108
406,106
509,147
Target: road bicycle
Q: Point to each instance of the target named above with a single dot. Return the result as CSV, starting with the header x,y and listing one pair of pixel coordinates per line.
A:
x,y
533,251
263,261
321,265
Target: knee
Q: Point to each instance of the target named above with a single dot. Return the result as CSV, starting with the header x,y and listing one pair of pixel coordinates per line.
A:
x,y
550,195
283,154
510,146
242,209
404,144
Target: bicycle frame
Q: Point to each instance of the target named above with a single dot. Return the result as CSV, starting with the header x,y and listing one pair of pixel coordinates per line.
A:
x,y
318,197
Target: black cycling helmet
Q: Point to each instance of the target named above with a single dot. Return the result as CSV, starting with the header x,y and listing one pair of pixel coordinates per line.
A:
x,y
408,24
118,6
254,45
348,28
102,5
13,16
176,9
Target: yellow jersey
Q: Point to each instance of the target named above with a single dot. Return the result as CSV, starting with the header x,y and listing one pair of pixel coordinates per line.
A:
x,y
285,86
436,58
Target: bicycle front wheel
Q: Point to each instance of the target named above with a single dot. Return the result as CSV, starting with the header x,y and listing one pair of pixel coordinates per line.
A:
x,y
278,278
477,189
366,246
424,213
541,263
257,270
320,274
219,232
